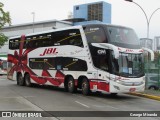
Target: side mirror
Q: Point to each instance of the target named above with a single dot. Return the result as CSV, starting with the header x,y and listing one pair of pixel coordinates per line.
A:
x,y
150,51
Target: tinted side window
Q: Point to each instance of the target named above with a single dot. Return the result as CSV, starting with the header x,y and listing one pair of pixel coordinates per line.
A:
x,y
70,64
36,63
58,63
95,34
49,63
36,41
42,63
68,37
100,58
74,64
14,43
65,37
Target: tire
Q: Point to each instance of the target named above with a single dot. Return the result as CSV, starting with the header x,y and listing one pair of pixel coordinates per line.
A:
x,y
85,87
153,88
20,80
27,80
71,85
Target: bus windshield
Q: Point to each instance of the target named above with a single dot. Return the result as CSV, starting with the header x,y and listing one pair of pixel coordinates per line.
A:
x,y
129,65
123,37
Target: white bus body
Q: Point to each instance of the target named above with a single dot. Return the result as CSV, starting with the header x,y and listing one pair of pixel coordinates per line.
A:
x,y
71,58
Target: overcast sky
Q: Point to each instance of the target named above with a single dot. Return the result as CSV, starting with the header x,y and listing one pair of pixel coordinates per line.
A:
x,y
123,13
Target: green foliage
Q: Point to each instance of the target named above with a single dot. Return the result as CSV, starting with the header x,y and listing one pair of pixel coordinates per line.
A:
x,y
4,16
4,19
3,39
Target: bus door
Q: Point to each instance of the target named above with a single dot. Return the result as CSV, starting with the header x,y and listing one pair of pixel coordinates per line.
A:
x,y
101,61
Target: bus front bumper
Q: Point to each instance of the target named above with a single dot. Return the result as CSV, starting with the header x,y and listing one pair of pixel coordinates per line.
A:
x,y
116,87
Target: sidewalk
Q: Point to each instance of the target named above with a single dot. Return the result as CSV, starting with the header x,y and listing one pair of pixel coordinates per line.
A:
x,y
152,94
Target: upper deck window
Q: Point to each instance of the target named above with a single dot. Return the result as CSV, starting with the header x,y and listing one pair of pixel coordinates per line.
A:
x,y
95,34
57,38
14,43
65,37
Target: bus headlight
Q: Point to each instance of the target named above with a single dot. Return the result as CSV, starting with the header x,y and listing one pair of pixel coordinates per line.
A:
x,y
129,83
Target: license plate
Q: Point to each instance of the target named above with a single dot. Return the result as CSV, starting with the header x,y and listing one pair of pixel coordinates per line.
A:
x,y
132,89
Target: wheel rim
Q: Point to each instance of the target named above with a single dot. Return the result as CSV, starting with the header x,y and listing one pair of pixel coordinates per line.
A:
x,y
84,86
70,85
152,88
20,79
27,81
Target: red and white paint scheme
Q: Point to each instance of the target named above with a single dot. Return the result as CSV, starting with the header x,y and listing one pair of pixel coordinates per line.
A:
x,y
98,57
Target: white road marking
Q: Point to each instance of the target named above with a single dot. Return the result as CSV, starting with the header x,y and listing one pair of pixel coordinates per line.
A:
x,y
103,106
82,104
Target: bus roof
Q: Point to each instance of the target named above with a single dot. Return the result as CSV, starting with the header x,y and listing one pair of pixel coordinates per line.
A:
x,y
102,24
72,27
53,30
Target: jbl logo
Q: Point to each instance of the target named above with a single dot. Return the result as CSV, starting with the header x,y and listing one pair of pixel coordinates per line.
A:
x,y
49,51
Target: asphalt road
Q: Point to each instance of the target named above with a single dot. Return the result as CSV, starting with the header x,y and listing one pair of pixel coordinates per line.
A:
x,y
47,98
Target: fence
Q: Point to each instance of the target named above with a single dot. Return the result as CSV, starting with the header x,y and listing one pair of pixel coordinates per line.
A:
x,y
152,71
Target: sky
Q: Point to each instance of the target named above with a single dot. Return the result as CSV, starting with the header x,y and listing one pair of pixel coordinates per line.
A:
x,y
123,13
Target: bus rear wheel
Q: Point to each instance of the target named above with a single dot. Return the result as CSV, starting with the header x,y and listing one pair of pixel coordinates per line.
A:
x,y
85,87
27,80
71,85
20,80
153,88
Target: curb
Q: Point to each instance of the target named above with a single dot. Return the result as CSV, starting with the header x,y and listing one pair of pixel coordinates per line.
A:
x,y
154,97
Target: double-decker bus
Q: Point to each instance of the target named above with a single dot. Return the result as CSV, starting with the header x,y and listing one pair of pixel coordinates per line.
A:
x,y
95,57
3,65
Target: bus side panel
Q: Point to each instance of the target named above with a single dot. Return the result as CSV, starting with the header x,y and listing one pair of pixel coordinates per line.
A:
x,y
45,77
103,86
98,85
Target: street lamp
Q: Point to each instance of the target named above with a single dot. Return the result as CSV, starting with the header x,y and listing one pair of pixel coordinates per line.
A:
x,y
148,20
152,14
33,13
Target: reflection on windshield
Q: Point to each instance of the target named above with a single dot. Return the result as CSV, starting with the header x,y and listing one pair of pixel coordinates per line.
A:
x,y
129,65
123,37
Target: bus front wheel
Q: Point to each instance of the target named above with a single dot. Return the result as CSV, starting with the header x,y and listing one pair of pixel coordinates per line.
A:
x,y
85,86
20,80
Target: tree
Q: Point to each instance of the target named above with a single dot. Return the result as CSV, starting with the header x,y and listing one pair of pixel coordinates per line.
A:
x,y
4,19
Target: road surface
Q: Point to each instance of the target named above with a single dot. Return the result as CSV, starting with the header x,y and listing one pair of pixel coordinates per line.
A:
x,y
47,98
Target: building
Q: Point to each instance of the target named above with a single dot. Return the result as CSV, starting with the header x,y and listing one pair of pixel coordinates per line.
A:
x,y
153,44
93,12
156,43
27,28
147,43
